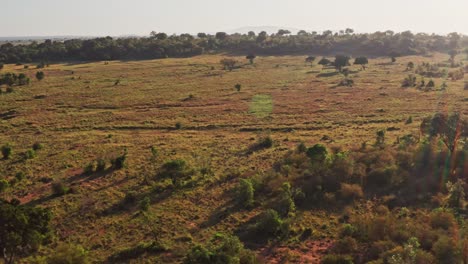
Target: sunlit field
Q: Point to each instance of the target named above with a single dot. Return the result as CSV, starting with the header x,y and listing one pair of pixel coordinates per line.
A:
x,y
192,109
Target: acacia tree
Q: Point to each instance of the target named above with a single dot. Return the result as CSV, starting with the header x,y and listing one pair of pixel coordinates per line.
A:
x,y
449,128
310,59
251,57
341,61
22,229
363,61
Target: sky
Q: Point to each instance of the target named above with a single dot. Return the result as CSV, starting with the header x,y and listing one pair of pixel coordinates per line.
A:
x,y
140,17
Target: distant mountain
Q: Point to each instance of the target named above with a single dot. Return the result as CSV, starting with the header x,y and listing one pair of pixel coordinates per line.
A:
x,y
268,29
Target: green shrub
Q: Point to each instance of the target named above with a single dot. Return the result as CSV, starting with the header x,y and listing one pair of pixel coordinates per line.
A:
x,y
245,193
269,223
37,146
286,203
40,75
69,254
178,125
222,249
317,153
101,165
7,151
347,230
20,176
30,154
120,162
90,168
265,142
145,204
59,188
4,184
238,87
176,170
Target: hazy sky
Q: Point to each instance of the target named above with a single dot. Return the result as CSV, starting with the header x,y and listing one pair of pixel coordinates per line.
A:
x,y
122,17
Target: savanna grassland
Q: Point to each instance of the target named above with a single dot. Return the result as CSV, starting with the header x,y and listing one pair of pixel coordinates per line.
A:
x,y
155,111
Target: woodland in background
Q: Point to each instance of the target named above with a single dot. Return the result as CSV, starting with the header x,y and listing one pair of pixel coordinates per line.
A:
x,y
161,45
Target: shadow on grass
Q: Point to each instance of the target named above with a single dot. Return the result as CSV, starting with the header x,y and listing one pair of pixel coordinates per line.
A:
x,y
327,74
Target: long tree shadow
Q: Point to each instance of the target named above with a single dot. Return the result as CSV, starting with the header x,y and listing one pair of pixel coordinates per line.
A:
x,y
327,74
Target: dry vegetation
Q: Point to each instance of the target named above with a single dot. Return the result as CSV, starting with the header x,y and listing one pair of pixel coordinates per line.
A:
x,y
153,112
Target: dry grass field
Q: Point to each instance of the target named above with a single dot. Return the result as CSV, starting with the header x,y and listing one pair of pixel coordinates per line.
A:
x,y
190,109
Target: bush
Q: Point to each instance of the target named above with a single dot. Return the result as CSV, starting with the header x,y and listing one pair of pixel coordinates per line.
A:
x,y
222,249
178,125
409,81
4,185
30,154
269,223
37,146
40,75
430,84
144,203
69,254
446,251
101,165
286,203
442,219
120,162
7,151
351,191
346,245
245,193
59,188
238,87
265,142
337,259
176,170
317,153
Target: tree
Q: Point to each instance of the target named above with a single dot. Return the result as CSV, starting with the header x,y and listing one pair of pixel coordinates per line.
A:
x,y
22,229
201,35
324,61
349,31
449,128
310,59
363,61
221,35
283,32
262,36
341,61
251,57
410,65
453,53
40,75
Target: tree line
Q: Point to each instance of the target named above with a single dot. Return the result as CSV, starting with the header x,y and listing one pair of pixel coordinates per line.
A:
x,y
161,45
